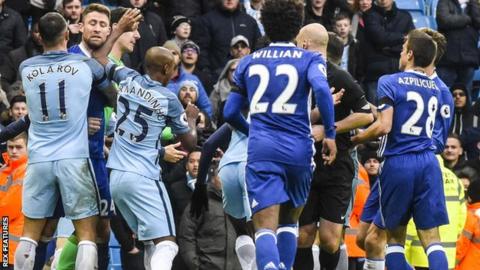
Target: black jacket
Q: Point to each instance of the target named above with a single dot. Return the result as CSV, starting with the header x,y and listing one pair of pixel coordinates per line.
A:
x,y
152,32
218,29
461,30
13,32
385,31
355,59
9,69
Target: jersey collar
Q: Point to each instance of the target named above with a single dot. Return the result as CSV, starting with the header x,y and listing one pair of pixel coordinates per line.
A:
x,y
282,44
84,50
418,73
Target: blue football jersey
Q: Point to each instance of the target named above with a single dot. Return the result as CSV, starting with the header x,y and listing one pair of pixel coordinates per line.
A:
x,y
57,86
96,104
144,108
444,118
415,99
277,81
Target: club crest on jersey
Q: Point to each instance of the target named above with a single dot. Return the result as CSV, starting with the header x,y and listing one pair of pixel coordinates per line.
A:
x,y
322,69
445,111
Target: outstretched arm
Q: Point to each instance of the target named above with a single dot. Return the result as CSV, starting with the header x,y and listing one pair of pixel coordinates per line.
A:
x,y
15,128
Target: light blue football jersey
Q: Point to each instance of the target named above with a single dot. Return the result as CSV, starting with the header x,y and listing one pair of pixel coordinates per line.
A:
x,y
57,86
144,108
237,149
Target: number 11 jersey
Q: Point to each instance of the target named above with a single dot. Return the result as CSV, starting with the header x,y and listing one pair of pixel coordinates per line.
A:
x,y
57,87
415,99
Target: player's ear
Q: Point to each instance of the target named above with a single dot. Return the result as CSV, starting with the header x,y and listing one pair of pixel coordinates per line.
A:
x,y
80,25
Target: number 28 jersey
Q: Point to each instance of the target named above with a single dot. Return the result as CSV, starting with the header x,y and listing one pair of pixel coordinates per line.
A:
x,y
415,99
277,82
57,87
144,108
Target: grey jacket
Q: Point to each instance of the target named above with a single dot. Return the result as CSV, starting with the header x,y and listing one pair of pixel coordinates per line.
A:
x,y
209,241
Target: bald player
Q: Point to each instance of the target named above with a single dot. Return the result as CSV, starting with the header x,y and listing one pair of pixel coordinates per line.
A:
x,y
144,108
331,189
276,82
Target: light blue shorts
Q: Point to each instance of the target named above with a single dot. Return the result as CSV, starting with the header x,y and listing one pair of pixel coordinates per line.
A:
x,y
234,187
144,204
71,179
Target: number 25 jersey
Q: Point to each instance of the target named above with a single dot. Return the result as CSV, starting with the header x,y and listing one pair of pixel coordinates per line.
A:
x,y
415,99
144,108
57,87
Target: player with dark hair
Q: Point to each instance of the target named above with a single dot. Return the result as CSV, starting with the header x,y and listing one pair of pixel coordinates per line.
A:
x,y
408,108
371,237
276,81
58,145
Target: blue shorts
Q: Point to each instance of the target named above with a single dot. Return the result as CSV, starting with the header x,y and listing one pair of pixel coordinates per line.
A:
x,y
411,185
372,205
234,188
70,180
271,183
107,208
144,204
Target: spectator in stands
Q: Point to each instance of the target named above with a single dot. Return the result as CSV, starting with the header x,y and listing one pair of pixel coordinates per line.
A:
x,y
14,33
174,85
352,56
253,8
192,8
239,47
208,242
385,30
463,117
153,33
181,188
20,6
453,153
468,244
18,107
467,175
189,57
459,21
358,23
9,68
72,11
188,93
181,28
11,183
315,13
221,90
219,27
371,162
38,8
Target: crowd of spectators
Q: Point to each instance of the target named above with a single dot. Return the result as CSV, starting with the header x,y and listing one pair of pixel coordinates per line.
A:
x,y
208,38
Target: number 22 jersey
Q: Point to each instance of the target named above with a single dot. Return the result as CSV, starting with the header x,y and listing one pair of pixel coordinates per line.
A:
x,y
415,99
277,82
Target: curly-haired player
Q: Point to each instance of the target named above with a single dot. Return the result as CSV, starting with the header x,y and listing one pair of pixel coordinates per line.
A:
x,y
276,81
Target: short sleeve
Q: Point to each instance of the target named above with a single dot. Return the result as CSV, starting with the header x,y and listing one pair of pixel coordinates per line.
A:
x,y
239,77
177,119
99,76
317,70
385,93
119,73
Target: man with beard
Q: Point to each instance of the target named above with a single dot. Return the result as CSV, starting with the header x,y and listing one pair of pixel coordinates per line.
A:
x,y
71,10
